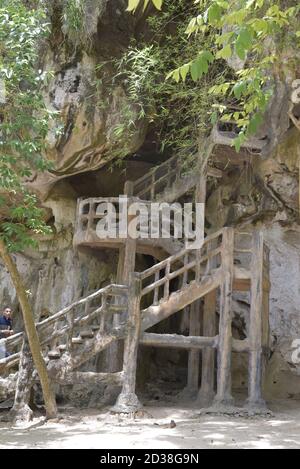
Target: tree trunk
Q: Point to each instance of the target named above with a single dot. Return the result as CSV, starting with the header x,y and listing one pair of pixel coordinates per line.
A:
x,y
33,339
21,410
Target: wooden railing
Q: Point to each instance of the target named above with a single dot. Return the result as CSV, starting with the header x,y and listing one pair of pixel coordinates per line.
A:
x,y
88,214
158,179
88,217
186,267
60,329
162,178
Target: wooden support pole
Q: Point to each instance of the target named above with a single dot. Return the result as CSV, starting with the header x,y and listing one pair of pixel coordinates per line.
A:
x,y
126,266
178,341
130,244
127,401
224,397
255,327
207,393
114,354
194,355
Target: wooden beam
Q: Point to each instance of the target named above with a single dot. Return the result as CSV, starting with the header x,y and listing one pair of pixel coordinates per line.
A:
x,y
127,400
113,359
178,341
224,396
77,377
207,393
255,325
194,355
180,299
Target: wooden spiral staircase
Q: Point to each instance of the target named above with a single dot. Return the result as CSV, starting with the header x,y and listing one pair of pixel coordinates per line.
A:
x,y
181,280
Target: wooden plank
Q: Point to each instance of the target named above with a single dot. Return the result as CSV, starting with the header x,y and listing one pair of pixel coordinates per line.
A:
x,y
240,345
224,396
127,400
77,377
194,355
179,300
206,392
178,341
255,324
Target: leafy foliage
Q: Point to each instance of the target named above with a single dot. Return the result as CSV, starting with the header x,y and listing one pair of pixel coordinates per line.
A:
x,y
23,122
177,110
133,4
256,32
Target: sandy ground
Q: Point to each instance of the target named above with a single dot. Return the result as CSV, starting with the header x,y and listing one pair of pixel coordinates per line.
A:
x,y
94,429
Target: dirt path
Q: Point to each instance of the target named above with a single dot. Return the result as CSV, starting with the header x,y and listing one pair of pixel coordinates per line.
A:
x,y
93,429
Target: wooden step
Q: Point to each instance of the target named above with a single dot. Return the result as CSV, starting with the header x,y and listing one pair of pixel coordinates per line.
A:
x,y
77,341
87,334
62,348
241,273
54,355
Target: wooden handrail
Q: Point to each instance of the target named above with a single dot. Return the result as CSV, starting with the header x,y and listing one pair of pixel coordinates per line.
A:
x,y
161,265
43,326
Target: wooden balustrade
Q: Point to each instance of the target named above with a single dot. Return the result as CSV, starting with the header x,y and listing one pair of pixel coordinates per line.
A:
x,y
62,327
184,266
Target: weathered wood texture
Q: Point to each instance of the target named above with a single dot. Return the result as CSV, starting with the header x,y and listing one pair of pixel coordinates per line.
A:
x,y
194,355
127,400
224,396
256,322
207,392
178,341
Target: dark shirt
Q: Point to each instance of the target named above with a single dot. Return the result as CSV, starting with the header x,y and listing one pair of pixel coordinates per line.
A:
x,y
5,325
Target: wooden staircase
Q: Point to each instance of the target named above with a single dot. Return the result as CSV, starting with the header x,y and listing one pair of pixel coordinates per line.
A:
x,y
228,261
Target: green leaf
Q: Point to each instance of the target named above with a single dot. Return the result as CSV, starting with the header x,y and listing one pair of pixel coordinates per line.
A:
x,y
239,89
176,75
254,123
245,38
259,25
132,5
240,51
196,71
225,53
157,4
214,13
184,70
238,141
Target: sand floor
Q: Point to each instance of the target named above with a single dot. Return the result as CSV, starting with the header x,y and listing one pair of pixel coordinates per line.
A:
x,y
94,429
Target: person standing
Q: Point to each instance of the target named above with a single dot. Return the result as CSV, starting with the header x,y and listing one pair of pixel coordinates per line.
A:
x,y
6,330
6,327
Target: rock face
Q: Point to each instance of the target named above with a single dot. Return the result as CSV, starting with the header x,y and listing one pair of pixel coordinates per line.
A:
x,y
92,108
56,276
264,192
91,130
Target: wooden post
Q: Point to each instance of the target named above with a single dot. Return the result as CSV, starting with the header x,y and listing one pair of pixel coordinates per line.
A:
x,y
126,266
127,401
224,396
255,327
207,393
114,354
266,301
130,244
194,355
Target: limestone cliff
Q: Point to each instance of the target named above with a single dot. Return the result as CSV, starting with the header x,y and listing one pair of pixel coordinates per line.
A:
x,y
83,145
